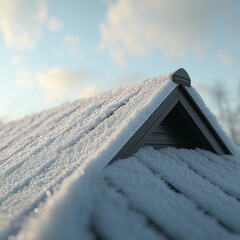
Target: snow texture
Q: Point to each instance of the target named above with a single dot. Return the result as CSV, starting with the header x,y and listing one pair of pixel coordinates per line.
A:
x,y
54,184
153,195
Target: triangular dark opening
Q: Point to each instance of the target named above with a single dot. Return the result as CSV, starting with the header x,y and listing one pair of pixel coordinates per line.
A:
x,y
179,131
178,122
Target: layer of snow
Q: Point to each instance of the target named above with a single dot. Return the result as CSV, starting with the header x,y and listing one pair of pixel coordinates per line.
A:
x,y
56,158
191,183
119,201
38,152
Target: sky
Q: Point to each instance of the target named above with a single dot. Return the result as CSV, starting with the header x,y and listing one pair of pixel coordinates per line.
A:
x,y
55,51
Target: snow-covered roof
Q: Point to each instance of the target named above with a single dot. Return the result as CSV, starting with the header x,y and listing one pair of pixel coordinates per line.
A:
x,y
67,148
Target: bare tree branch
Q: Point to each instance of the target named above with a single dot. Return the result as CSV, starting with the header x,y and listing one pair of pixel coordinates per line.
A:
x,y
228,111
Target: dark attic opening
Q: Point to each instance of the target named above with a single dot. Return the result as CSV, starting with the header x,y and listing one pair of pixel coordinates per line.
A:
x,y
179,131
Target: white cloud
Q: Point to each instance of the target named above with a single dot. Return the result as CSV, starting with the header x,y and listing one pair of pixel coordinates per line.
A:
x,y
22,22
71,39
60,83
89,91
55,24
173,27
127,79
71,45
226,58
18,61
24,81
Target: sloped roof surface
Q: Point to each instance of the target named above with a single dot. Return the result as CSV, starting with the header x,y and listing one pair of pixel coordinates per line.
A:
x,y
73,143
156,194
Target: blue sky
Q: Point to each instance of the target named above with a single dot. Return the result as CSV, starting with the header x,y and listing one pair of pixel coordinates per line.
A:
x,y
56,51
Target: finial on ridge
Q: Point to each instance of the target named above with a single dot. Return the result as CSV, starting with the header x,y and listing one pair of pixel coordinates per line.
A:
x,y
181,77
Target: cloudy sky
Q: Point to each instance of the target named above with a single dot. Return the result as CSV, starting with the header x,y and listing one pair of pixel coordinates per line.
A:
x,y
53,51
